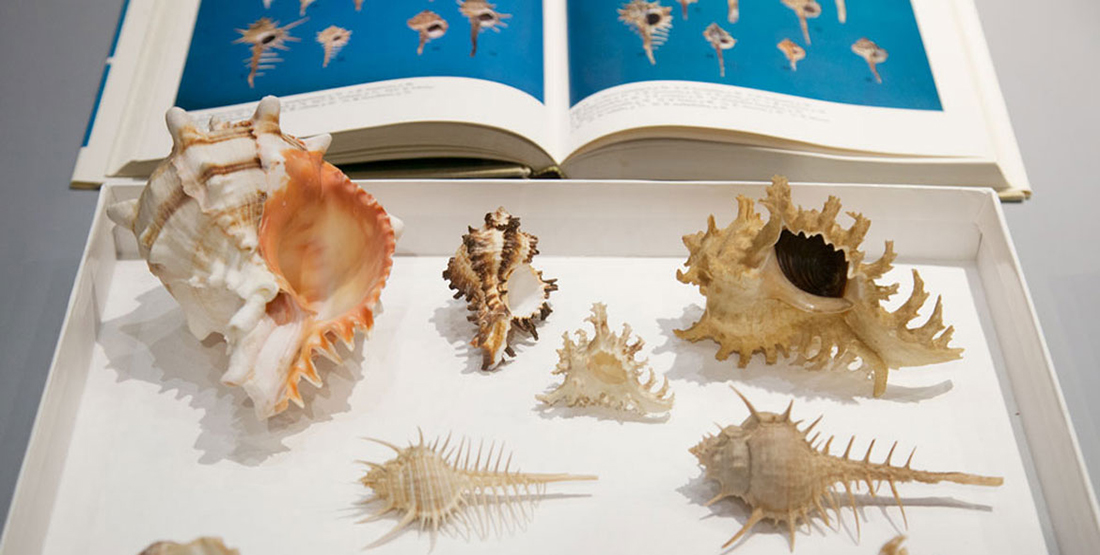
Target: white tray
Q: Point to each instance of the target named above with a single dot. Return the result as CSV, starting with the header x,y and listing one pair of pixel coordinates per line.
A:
x,y
136,441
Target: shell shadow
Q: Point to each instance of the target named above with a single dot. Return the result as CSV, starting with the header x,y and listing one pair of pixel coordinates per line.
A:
x,y
451,323
555,412
152,344
696,362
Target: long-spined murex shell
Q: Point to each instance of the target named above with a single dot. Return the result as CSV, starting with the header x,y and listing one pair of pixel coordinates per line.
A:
x,y
492,269
263,242
797,285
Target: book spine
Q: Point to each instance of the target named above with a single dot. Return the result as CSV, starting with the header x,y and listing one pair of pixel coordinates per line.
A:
x,y
106,71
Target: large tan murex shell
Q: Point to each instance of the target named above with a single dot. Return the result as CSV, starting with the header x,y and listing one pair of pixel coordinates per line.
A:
x,y
492,269
262,242
753,306
768,463
603,372
430,484
201,546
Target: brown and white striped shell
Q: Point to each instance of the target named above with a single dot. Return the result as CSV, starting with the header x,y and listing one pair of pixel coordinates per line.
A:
x,y
264,243
201,546
804,9
770,465
440,487
871,53
603,372
797,285
428,26
492,269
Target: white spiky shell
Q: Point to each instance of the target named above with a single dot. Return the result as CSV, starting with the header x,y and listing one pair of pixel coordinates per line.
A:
x,y
754,307
201,546
604,372
231,224
492,269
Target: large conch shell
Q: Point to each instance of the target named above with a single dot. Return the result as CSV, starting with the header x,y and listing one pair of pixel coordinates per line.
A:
x,y
201,546
797,285
493,270
604,372
261,241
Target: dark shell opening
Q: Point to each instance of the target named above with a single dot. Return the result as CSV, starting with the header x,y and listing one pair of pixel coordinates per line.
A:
x,y
652,18
811,264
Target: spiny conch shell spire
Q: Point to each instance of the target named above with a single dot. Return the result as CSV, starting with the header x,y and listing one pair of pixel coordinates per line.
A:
x,y
332,39
264,36
482,15
201,546
650,20
492,269
428,25
792,51
804,9
264,243
604,372
872,54
437,486
720,40
734,10
768,463
797,285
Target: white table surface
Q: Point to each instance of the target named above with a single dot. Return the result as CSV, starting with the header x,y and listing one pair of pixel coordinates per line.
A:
x,y
52,56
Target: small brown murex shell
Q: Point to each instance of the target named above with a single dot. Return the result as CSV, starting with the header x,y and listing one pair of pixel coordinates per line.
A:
x,y
437,487
603,372
797,285
201,546
894,547
769,463
492,269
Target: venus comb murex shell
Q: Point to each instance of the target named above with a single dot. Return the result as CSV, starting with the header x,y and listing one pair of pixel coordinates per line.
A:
x,y
797,285
262,242
784,476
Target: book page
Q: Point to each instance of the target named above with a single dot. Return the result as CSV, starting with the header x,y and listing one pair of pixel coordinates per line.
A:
x,y
882,77
342,65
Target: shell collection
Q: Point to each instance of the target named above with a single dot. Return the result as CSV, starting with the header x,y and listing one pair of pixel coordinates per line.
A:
x,y
435,486
492,269
201,546
262,242
797,285
769,463
603,372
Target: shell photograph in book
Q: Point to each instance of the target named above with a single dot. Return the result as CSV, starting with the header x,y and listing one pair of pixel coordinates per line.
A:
x,y
621,42
242,51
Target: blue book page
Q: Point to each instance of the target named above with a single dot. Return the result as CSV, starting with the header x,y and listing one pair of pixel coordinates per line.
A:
x,y
875,57
243,50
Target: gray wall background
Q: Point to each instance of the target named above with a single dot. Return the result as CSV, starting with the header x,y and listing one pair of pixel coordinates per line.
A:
x,y
51,56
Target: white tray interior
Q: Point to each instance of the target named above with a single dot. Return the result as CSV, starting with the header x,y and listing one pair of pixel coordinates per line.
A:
x,y
152,447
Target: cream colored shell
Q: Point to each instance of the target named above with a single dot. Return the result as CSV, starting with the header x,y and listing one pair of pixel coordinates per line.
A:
x,y
753,306
768,463
603,372
492,269
437,486
201,546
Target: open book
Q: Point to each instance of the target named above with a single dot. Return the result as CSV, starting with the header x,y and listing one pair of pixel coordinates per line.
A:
x,y
859,91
